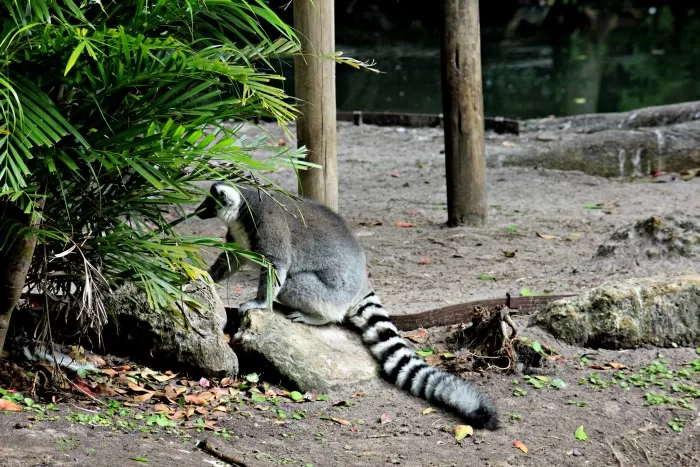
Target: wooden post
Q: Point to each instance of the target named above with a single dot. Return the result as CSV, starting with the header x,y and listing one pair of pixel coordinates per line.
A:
x,y
314,80
463,109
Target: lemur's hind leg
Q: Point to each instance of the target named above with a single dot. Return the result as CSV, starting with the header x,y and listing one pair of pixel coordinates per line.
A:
x,y
312,300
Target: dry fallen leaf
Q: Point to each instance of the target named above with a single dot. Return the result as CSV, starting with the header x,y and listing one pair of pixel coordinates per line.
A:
x,y
189,411
163,378
340,421
418,337
109,372
95,360
617,366
177,415
385,418
404,224
136,387
144,397
520,445
433,360
208,395
106,389
160,407
546,236
429,410
195,399
358,394
9,406
462,431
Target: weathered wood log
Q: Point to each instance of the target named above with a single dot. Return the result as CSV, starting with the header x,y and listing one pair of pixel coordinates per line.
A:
x,y
499,125
463,109
314,79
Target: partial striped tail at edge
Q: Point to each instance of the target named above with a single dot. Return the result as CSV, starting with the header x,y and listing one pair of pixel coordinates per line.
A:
x,y
402,367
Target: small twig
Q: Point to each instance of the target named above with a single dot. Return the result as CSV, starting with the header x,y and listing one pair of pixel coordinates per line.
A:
x,y
205,446
85,392
641,448
203,427
615,453
86,410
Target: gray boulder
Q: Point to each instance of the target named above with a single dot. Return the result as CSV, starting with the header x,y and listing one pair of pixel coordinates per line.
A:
x,y
655,311
196,345
671,236
314,358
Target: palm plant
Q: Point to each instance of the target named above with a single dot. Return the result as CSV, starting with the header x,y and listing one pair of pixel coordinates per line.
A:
x,y
110,112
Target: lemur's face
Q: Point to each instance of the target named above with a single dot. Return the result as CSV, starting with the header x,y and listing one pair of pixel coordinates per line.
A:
x,y
224,202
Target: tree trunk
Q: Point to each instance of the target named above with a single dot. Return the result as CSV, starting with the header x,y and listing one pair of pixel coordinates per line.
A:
x,y
463,109
314,81
16,251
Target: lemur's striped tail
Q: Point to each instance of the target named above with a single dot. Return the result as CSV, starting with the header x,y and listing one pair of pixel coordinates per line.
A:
x,y
402,367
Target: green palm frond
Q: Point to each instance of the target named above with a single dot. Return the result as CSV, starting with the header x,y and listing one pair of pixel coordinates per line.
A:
x,y
112,112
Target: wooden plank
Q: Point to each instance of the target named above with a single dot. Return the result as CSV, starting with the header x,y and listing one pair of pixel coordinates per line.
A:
x,y
463,108
314,79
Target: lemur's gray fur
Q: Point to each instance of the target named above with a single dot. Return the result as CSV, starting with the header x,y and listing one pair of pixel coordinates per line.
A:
x,y
322,276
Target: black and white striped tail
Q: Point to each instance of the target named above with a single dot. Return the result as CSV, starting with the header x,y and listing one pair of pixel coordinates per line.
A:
x,y
402,367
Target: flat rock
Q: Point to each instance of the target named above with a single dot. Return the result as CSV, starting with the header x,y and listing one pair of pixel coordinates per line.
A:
x,y
314,358
197,346
655,311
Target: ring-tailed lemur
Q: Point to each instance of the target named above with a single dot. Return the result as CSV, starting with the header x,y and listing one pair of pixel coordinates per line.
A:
x,y
321,274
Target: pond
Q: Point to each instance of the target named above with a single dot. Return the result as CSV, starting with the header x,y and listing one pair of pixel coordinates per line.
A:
x,y
629,68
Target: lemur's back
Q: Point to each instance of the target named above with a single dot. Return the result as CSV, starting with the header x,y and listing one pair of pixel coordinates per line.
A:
x,y
315,237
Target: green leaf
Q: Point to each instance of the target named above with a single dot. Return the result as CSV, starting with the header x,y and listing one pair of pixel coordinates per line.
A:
x,y
580,434
140,459
487,277
296,396
558,383
536,346
74,57
252,378
258,397
425,352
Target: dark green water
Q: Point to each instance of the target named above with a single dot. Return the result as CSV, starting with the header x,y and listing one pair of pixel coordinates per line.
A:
x,y
627,69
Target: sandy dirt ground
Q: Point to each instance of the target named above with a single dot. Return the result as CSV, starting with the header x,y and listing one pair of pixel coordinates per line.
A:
x,y
395,174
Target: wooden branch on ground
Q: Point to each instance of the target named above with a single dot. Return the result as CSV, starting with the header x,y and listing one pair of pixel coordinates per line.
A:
x,y
209,448
464,312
